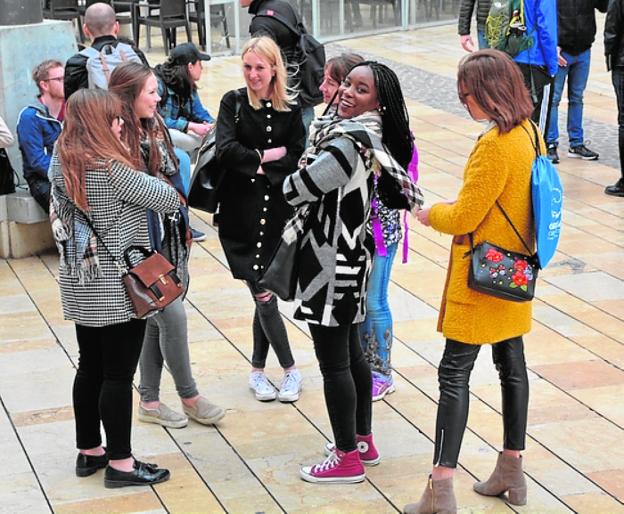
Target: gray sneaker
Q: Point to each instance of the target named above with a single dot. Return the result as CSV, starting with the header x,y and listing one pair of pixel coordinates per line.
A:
x,y
163,415
204,412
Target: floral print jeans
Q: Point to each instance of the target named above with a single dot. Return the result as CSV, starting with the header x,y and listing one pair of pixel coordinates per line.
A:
x,y
376,329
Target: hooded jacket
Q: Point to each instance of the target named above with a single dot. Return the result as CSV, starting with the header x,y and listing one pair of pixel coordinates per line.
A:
x,y
37,131
540,18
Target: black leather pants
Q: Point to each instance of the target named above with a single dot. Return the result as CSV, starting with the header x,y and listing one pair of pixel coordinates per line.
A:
x,y
454,375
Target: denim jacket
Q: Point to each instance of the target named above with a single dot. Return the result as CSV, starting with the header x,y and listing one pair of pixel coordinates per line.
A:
x,y
178,116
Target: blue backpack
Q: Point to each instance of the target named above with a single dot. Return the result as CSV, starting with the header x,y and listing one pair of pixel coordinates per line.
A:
x,y
547,197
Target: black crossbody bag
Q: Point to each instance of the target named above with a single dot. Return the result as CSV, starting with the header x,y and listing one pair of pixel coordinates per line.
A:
x,y
502,273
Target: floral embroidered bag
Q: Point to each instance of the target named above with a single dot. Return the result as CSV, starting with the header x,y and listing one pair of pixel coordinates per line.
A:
x,y
502,273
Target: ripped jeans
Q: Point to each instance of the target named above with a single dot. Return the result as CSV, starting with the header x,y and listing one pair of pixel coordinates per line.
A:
x,y
268,330
376,329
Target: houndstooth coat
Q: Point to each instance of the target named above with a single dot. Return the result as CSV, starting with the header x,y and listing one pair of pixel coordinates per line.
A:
x,y
118,200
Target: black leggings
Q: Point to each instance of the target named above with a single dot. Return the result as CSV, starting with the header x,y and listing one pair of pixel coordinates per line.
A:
x,y
453,376
103,385
347,382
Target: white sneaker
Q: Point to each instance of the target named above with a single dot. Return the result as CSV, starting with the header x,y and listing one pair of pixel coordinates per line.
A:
x,y
261,386
291,386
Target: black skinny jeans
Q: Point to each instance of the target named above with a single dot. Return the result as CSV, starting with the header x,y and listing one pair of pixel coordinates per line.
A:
x,y
103,385
454,375
347,382
617,77
269,331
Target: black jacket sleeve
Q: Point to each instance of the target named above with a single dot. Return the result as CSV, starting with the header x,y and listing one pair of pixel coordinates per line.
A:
x,y
75,74
601,5
466,8
277,171
613,31
235,156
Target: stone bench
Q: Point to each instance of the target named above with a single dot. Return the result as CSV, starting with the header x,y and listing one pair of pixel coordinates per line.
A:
x,y
24,227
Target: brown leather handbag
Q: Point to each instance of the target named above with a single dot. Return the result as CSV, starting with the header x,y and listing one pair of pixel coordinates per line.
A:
x,y
152,284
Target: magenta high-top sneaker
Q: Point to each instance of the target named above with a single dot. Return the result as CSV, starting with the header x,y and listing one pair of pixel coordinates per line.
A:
x,y
365,445
339,467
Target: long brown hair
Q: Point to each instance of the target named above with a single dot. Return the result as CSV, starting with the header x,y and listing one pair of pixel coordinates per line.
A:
x,y
87,137
494,80
127,81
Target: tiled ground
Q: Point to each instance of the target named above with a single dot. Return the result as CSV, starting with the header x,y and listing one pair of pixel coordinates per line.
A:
x,y
575,455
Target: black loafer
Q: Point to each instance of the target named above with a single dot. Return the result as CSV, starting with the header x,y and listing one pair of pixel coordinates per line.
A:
x,y
143,474
86,465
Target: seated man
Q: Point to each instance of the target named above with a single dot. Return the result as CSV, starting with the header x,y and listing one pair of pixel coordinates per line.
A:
x,y
182,111
38,127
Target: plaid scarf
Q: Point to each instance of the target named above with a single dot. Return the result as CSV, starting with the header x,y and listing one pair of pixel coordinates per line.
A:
x,y
365,132
76,242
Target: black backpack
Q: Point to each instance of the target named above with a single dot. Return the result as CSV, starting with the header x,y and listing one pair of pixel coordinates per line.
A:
x,y
312,58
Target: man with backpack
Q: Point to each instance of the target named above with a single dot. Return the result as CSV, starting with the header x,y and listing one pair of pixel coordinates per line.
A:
x,y
527,31
278,20
86,68
466,9
614,52
577,30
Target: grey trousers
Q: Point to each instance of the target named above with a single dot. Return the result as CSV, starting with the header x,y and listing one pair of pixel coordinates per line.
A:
x,y
188,142
166,341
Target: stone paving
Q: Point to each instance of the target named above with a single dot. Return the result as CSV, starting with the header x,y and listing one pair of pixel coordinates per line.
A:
x,y
249,462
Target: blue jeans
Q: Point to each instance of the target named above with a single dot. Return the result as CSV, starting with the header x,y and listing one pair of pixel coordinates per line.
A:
x,y
482,41
376,329
185,169
577,72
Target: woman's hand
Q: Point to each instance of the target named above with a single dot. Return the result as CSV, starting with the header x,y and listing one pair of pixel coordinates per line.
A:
x,y
274,154
200,129
423,216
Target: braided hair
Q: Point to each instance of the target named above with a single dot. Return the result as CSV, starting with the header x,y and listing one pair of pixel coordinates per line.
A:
x,y
396,134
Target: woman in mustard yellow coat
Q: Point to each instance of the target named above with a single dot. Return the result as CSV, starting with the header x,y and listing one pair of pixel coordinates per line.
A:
x,y
490,86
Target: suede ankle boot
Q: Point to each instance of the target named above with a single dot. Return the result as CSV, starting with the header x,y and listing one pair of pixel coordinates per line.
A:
x,y
438,498
506,477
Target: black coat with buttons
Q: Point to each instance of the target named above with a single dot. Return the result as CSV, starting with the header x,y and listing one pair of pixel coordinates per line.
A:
x,y
252,209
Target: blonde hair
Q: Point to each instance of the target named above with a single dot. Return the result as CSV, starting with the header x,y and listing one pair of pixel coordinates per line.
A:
x,y
266,48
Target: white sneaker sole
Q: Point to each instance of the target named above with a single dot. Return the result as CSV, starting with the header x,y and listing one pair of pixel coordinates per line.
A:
x,y
381,396
331,480
266,397
329,450
163,422
289,398
577,156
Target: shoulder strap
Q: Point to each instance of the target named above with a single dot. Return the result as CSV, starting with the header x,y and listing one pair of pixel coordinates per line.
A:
x,y
513,227
470,236
270,13
237,107
89,52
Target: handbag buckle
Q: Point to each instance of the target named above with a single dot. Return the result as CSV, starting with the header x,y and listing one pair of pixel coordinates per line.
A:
x,y
163,280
